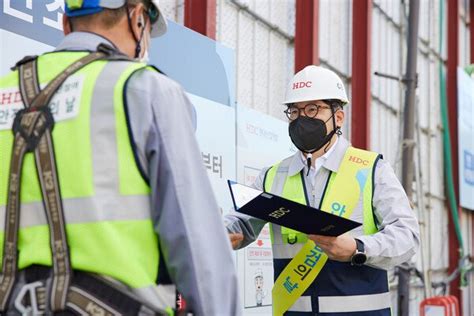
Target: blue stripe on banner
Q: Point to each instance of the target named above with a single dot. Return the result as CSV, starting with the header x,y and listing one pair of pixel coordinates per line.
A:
x,y
42,21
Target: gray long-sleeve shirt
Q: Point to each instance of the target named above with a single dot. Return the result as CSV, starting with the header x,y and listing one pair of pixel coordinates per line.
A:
x,y
398,237
192,236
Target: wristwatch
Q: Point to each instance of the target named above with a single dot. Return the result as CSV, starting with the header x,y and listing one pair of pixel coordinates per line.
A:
x,y
359,257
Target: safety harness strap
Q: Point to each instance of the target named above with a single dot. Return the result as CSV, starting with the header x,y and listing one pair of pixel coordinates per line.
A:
x,y
32,133
32,129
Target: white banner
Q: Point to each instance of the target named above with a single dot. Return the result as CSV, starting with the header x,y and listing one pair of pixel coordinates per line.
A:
x,y
262,141
216,137
466,139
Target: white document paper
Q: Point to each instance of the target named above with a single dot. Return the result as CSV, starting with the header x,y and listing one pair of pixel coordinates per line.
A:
x,y
242,194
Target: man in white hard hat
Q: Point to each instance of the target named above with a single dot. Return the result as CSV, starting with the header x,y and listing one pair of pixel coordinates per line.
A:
x,y
125,191
332,275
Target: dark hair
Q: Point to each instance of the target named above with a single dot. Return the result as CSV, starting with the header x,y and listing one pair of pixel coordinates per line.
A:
x,y
335,104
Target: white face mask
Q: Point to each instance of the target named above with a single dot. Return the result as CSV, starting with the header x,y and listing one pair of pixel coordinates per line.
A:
x,y
145,46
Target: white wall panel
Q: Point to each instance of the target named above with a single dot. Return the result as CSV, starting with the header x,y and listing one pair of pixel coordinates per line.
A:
x,y
261,68
423,146
245,54
173,10
434,27
278,75
386,59
424,19
464,43
384,131
227,24
436,166
335,39
423,91
439,235
262,8
264,57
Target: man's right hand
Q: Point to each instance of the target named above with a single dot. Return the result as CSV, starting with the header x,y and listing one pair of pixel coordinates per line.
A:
x,y
236,240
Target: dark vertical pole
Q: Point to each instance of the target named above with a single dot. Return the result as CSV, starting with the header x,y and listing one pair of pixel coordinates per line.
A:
x,y
361,97
306,34
200,16
410,96
408,136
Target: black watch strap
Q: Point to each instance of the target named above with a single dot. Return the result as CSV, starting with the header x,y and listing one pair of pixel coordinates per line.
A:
x,y
360,246
359,257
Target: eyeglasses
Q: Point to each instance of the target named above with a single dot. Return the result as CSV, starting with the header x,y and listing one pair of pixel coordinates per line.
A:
x,y
310,110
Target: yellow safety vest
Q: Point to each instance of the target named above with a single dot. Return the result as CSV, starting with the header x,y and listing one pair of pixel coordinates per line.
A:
x,y
345,188
105,197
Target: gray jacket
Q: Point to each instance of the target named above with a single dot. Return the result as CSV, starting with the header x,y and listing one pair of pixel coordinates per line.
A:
x,y
162,122
398,237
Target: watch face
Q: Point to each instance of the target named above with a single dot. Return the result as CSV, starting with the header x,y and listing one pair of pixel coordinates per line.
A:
x,y
359,259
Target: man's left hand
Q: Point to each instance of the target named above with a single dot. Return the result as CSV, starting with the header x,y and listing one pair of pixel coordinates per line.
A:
x,y
340,248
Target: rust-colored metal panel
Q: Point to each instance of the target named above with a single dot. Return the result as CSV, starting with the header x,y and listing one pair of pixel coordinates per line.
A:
x,y
471,31
451,84
200,16
306,34
361,51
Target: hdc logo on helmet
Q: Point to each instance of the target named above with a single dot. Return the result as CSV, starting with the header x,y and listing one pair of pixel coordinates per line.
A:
x,y
358,160
302,84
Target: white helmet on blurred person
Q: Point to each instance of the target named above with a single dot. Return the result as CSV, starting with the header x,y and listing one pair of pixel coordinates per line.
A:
x,y
315,83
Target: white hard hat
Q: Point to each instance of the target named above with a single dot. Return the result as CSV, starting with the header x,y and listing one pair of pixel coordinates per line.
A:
x,y
86,7
315,83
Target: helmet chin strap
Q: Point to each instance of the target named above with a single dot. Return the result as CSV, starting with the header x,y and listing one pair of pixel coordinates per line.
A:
x,y
138,47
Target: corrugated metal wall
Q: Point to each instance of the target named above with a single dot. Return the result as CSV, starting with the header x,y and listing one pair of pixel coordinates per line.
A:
x,y
335,41
265,57
387,51
173,10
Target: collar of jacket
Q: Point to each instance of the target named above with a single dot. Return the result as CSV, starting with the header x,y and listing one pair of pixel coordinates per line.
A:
x,y
332,163
79,41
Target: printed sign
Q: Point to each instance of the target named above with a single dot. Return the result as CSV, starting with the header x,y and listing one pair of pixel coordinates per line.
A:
x,y
64,105
216,137
466,141
262,141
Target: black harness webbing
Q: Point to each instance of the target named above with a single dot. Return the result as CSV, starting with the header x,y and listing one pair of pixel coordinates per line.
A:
x,y
32,129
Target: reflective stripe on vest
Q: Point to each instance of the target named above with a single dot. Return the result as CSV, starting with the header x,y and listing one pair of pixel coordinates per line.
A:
x,y
106,200
293,188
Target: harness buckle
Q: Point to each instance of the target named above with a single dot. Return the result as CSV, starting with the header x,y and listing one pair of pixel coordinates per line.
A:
x,y
23,61
35,302
21,124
